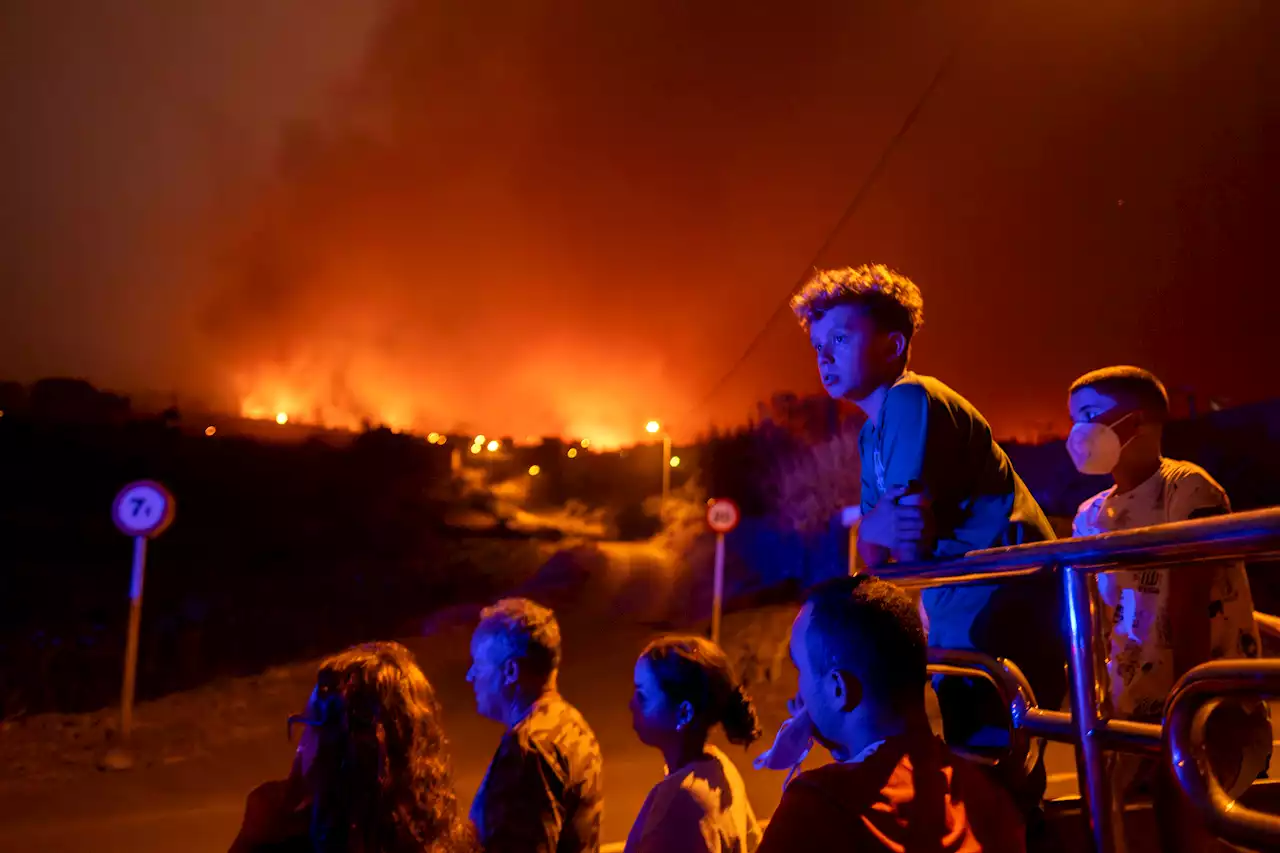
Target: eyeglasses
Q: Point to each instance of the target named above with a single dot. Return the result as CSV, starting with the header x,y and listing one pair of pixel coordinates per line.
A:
x,y
301,719
320,710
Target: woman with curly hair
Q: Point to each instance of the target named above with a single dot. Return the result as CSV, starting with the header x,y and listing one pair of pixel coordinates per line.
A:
x,y
371,774
684,686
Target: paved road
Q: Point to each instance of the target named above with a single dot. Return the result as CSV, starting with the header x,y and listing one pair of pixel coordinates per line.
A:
x,y
196,805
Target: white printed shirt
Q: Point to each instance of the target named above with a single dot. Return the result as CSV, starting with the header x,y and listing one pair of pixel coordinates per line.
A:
x,y
702,807
1137,618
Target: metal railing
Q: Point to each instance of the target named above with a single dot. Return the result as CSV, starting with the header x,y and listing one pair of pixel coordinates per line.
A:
x,y
1249,534
1018,759
1193,699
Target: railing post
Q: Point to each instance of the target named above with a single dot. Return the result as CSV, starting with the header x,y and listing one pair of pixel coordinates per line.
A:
x,y
1105,824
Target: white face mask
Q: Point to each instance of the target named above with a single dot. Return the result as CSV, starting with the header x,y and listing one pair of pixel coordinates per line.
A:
x,y
1095,448
790,748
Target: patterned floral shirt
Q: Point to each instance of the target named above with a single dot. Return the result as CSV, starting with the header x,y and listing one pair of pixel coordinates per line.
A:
x,y
544,790
1139,632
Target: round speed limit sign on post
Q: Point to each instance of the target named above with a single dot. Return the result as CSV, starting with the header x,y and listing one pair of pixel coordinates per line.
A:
x,y
722,517
142,510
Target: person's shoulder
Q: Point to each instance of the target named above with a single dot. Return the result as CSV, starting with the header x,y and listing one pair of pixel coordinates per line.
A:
x,y
991,803
1179,472
933,389
1191,487
906,400
556,728
915,392
551,716
705,781
839,785
674,811
686,794
1086,520
912,389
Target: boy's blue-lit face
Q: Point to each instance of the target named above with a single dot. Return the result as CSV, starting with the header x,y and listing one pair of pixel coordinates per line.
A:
x,y
854,357
1089,405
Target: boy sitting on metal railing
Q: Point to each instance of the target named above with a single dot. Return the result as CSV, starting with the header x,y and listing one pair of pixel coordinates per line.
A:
x,y
935,485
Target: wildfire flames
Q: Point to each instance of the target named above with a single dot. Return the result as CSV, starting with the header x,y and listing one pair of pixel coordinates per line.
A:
x,y
308,394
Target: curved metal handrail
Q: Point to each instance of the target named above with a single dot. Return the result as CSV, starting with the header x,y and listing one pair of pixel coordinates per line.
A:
x,y
1187,713
1233,536
1015,694
1255,533
1268,625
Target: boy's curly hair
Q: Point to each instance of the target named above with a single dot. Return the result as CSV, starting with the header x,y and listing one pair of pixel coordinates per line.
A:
x,y
891,299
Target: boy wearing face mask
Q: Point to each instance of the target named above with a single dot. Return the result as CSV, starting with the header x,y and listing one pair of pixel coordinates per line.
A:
x,y
1162,623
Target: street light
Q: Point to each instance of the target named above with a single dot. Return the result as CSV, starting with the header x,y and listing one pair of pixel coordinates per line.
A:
x,y
653,427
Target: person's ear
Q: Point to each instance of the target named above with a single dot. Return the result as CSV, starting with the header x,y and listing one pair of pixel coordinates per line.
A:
x,y
895,346
510,671
842,690
684,715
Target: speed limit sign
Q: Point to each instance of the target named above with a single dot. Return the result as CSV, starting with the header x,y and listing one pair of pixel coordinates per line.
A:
x,y
722,515
143,508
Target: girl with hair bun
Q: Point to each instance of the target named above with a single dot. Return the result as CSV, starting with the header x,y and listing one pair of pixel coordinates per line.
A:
x,y
684,687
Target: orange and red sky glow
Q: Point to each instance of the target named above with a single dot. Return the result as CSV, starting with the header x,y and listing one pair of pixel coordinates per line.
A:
x,y
571,217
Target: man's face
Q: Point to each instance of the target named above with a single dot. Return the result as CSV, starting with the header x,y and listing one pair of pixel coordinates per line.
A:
x,y
810,694
853,355
488,674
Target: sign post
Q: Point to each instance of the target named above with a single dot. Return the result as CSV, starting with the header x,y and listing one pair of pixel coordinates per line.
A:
x,y
851,517
142,510
722,518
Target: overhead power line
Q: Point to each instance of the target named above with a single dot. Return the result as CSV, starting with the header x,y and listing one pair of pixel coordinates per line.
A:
x,y
876,171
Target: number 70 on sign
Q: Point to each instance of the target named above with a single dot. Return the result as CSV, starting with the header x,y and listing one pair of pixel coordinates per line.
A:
x,y
144,508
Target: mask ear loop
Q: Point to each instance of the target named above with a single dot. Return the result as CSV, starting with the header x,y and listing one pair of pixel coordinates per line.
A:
x,y
1124,418
795,768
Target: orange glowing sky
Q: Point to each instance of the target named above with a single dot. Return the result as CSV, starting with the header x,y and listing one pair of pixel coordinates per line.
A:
x,y
572,217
